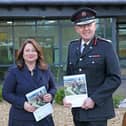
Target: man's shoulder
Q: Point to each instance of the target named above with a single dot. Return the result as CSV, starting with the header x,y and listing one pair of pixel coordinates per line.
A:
x,y
74,42
104,40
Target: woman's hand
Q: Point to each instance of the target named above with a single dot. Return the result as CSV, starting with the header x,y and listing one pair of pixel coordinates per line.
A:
x,y
28,107
47,97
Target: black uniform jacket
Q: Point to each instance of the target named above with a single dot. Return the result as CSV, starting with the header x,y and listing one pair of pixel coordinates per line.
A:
x,y
100,64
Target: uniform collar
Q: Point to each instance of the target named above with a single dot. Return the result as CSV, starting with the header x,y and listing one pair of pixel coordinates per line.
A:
x,y
90,42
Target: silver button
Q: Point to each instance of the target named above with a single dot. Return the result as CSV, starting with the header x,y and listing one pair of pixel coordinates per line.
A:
x,y
93,62
81,59
80,69
91,47
70,63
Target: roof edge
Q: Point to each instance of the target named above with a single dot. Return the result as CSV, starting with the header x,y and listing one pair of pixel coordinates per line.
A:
x,y
61,2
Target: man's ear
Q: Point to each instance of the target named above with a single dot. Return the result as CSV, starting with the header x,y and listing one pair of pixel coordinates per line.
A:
x,y
76,29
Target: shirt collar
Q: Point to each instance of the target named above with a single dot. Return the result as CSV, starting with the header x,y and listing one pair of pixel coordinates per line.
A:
x,y
83,42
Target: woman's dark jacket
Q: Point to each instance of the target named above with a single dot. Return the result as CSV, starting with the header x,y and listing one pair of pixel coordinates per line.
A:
x,y
20,82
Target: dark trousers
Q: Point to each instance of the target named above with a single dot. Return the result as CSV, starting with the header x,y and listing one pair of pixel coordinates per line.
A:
x,y
90,123
48,121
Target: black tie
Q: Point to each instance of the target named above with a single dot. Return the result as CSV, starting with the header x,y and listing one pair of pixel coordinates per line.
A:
x,y
84,47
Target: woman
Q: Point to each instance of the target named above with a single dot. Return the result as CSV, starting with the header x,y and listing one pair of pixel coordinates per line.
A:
x,y
29,73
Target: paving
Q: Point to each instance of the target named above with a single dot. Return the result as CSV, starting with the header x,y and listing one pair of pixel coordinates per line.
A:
x,y
62,116
122,89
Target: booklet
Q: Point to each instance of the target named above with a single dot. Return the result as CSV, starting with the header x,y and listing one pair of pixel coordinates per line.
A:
x,y
43,108
75,88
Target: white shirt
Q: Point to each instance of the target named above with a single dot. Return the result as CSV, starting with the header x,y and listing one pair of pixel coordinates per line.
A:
x,y
82,44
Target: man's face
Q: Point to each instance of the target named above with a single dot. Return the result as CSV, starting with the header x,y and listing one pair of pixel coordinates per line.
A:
x,y
86,31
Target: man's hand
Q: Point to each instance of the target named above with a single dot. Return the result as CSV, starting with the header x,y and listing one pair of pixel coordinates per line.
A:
x,y
88,104
66,104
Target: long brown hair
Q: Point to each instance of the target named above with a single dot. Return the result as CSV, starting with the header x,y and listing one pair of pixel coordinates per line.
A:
x,y
40,61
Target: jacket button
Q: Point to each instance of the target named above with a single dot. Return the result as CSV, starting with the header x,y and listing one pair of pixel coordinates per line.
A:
x,y
81,59
93,62
80,69
70,63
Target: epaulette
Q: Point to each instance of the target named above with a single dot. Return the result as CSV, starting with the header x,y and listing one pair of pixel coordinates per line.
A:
x,y
103,39
74,41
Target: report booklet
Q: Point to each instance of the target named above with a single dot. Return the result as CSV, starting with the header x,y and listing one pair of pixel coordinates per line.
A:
x,y
75,88
43,108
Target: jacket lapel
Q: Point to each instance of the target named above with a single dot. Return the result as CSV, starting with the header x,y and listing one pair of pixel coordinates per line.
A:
x,y
77,51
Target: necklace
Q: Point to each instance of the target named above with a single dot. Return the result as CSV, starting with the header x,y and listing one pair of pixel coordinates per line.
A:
x,y
32,73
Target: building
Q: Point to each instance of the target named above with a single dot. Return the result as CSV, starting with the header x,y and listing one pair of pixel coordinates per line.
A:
x,y
48,22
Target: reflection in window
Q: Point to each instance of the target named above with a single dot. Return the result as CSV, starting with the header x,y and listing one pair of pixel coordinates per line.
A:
x,y
122,42
104,28
6,51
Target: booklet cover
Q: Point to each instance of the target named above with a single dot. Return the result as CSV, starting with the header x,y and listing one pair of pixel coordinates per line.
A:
x,y
43,108
75,89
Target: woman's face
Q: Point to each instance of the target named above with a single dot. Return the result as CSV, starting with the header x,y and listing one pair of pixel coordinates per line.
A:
x,y
30,54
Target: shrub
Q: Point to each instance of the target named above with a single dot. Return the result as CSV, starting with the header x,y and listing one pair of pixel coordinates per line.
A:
x,y
59,96
117,99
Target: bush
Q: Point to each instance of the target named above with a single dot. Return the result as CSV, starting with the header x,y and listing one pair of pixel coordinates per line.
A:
x,y
117,99
1,93
59,96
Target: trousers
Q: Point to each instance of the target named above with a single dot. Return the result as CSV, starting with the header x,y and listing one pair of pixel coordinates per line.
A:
x,y
90,123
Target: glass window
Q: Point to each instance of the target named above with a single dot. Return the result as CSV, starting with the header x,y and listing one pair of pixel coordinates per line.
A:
x,y
3,72
24,22
122,47
48,37
104,28
68,34
122,40
21,33
46,22
6,44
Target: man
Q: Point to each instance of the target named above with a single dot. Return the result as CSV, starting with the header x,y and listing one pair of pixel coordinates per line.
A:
x,y
99,62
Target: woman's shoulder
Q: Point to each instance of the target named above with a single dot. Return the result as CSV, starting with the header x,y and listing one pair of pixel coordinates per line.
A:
x,y
48,70
13,68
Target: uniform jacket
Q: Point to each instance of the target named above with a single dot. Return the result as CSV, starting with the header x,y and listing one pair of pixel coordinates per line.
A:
x,y
19,82
100,64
